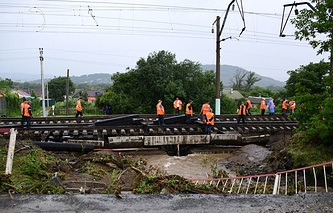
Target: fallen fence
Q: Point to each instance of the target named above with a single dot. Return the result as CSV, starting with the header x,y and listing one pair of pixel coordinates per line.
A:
x,y
314,178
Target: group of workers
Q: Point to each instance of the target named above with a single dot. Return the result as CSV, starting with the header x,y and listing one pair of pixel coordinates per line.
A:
x,y
208,115
206,112
245,109
26,112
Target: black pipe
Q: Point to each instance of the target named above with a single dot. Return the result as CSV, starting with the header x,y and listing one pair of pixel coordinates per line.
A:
x,y
70,147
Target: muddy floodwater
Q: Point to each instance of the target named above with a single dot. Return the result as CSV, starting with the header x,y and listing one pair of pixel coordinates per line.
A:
x,y
190,166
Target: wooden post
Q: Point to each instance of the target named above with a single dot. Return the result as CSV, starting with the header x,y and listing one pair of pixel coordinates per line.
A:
x,y
11,149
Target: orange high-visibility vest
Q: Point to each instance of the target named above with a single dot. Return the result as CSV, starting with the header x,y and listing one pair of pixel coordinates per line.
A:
x,y
78,106
249,105
292,105
27,110
177,104
160,109
242,110
263,104
189,109
284,104
209,118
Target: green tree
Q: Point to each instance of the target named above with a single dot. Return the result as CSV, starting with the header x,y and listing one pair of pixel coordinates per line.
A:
x,y
308,79
57,88
316,27
311,87
159,76
7,83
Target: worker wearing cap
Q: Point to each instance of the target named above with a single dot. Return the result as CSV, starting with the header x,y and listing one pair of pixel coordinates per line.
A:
x,y
188,111
160,112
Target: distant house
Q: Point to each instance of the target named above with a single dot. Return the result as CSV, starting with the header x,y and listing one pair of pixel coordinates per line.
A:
x,y
255,101
233,94
92,94
22,94
89,94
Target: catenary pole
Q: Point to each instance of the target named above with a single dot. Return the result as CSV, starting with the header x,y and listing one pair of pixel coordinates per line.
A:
x,y
41,58
67,91
218,67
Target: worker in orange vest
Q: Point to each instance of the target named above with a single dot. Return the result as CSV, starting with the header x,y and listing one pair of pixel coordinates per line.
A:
x,y
292,106
78,108
204,109
241,113
248,106
284,106
209,121
177,105
189,111
160,112
263,106
27,114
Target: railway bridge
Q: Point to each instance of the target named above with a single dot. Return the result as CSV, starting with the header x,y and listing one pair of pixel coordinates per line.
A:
x,y
141,131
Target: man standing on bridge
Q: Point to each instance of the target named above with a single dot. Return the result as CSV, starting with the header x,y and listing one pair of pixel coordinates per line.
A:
x,y
204,109
241,113
177,105
188,112
27,114
160,112
209,121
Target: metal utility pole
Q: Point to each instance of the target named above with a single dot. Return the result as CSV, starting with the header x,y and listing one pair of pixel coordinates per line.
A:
x,y
67,91
218,67
41,58
283,24
218,50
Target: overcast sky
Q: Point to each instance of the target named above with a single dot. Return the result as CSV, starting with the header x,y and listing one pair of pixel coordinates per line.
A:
x,y
102,36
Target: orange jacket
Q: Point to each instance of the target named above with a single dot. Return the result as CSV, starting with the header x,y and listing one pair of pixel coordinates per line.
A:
x,y
27,110
205,108
189,109
209,118
285,104
78,106
292,105
263,104
160,109
242,110
177,104
248,104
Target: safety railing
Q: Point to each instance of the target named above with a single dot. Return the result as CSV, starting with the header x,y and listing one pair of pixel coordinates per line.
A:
x,y
311,178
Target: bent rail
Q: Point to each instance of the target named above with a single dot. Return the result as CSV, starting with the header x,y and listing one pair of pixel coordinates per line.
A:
x,y
306,179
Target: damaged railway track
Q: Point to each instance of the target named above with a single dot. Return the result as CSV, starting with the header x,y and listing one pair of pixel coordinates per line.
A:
x,y
128,132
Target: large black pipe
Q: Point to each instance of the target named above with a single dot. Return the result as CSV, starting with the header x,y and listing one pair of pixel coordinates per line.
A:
x,y
70,147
